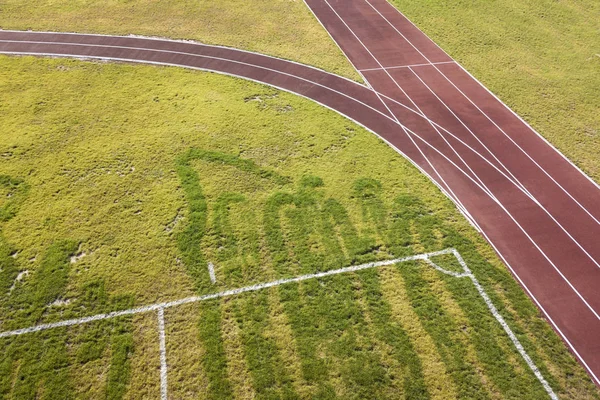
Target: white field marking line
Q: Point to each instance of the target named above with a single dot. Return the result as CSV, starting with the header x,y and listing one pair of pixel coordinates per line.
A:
x,y
178,65
458,205
163,354
338,45
406,66
491,120
211,273
597,379
227,293
467,273
516,182
188,41
520,227
406,94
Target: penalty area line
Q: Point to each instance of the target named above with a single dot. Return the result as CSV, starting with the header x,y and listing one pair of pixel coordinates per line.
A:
x,y
226,293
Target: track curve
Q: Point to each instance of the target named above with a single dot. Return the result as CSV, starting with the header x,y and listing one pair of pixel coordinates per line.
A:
x,y
537,210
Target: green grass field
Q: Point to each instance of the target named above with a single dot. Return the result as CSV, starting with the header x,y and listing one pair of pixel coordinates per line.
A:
x,y
118,185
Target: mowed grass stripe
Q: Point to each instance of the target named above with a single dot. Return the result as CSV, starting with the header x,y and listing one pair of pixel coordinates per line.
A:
x,y
443,329
438,381
237,368
214,360
393,334
186,376
271,378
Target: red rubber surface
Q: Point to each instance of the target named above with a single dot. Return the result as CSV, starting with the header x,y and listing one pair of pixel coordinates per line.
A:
x,y
538,211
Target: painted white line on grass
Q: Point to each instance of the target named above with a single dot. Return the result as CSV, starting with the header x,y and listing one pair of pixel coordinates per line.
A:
x,y
163,354
467,273
211,272
195,299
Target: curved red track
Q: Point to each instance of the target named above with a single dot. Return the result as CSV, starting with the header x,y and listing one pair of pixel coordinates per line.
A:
x,y
541,214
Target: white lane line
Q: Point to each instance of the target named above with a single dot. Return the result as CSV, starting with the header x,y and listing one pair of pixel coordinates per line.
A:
x,y
489,193
456,200
211,273
456,117
407,66
492,121
191,42
496,97
338,46
516,182
467,273
163,354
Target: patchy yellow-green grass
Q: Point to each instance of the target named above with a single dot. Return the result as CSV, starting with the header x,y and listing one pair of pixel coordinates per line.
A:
x,y
121,183
542,58
282,28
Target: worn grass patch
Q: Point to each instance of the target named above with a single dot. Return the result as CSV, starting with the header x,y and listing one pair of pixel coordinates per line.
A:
x,y
120,183
542,58
282,28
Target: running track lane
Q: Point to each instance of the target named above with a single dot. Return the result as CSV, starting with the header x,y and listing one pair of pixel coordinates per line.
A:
x,y
545,221
441,144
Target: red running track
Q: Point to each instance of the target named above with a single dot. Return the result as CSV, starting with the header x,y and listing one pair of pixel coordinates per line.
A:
x,y
539,212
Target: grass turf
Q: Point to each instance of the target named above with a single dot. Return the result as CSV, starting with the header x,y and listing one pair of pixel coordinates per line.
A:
x,y
246,24
120,182
541,58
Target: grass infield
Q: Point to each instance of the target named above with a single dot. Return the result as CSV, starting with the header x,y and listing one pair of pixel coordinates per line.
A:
x,y
119,183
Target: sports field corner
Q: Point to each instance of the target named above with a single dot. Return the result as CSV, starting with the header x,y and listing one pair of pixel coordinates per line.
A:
x,y
169,230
